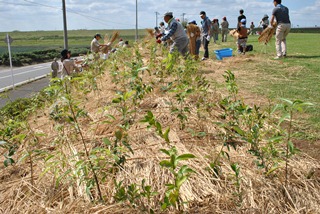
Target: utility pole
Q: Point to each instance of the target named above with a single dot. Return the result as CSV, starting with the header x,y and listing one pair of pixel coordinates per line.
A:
x,y
183,14
157,18
136,20
65,31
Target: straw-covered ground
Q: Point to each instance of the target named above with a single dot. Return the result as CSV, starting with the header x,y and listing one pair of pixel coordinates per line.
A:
x,y
52,172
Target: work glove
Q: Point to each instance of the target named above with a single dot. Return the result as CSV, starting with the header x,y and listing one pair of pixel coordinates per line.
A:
x,y
191,34
109,43
270,26
208,38
158,41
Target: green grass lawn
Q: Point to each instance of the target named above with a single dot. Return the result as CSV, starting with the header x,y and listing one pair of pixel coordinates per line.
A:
x,y
295,77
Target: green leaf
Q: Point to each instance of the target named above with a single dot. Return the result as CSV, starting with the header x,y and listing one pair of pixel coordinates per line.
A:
x,y
284,117
127,95
274,168
166,163
185,157
159,128
165,151
62,176
107,142
287,101
180,181
234,167
186,170
170,186
48,158
143,69
164,206
291,147
27,154
118,135
173,197
128,146
8,161
117,100
275,139
166,135
238,130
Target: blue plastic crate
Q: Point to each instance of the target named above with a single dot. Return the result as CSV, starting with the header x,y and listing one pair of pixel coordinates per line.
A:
x,y
220,54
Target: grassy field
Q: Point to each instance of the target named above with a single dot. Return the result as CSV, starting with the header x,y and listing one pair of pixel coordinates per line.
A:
x,y
295,77
39,40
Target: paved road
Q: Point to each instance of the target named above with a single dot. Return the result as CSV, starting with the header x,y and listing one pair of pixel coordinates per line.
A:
x,y
22,75
24,91
28,80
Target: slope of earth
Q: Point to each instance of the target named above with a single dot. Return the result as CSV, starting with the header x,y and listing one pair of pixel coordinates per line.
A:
x,y
148,132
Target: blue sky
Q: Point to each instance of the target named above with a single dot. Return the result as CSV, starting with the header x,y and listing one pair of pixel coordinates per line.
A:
x,y
30,15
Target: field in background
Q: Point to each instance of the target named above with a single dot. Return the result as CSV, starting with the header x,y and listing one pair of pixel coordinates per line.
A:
x,y
39,40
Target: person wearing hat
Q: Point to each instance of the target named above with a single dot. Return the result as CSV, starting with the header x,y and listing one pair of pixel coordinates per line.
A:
x,y
54,68
177,34
264,21
205,33
281,14
224,29
95,45
68,65
242,36
240,17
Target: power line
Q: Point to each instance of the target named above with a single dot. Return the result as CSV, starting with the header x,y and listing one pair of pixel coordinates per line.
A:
x,y
75,12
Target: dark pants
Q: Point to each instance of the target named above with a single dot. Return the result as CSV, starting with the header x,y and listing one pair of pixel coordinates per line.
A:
x,y
205,43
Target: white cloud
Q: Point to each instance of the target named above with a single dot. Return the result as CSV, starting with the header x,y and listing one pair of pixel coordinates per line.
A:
x,y
115,14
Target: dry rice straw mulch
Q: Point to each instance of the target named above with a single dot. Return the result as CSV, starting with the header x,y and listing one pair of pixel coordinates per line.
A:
x,y
267,34
150,31
193,32
113,38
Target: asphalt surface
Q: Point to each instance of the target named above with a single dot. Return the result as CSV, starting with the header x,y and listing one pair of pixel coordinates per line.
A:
x,y
28,80
22,75
24,91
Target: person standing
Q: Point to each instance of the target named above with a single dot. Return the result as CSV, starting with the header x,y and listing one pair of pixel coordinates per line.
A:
x,y
252,28
281,14
205,33
54,68
194,34
240,17
177,34
215,30
224,29
264,21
